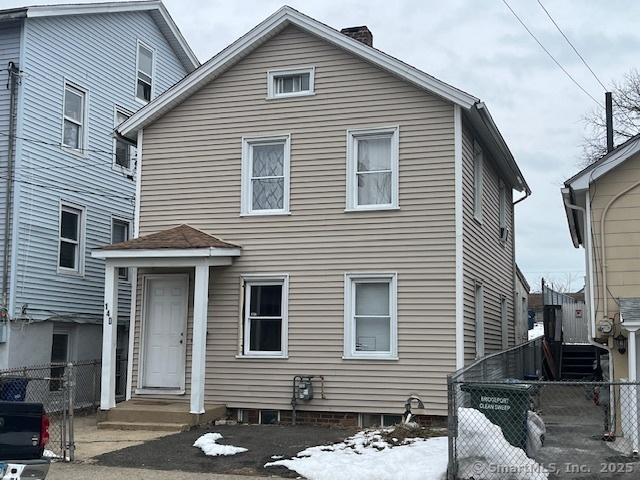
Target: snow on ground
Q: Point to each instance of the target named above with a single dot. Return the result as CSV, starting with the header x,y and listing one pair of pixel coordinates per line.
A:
x,y
536,331
207,443
483,452
367,456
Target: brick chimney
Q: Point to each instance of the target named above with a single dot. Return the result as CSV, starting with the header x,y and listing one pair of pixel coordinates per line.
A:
x,y
362,34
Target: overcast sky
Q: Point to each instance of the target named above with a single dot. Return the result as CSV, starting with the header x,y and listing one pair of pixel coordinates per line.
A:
x,y
480,47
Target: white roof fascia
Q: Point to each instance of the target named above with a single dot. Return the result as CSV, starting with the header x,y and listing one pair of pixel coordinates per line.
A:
x,y
281,18
614,159
118,7
166,252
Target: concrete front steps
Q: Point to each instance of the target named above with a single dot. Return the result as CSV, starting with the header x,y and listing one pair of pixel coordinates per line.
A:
x,y
156,415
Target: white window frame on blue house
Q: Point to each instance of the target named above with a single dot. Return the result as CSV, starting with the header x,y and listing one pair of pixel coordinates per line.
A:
x,y
84,130
118,110
123,272
146,46
81,211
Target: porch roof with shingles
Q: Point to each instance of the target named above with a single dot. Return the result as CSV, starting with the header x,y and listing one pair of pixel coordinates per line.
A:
x,y
180,237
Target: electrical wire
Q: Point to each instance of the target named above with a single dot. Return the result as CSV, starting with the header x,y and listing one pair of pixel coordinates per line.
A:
x,y
586,64
572,45
56,144
99,193
551,55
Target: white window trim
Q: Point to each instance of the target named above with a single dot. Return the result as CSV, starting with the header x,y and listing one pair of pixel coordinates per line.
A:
x,y
130,224
478,180
84,133
352,185
119,168
264,279
81,238
153,72
246,195
350,352
272,74
479,319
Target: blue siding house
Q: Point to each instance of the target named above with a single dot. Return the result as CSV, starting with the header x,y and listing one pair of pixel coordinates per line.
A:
x,y
68,75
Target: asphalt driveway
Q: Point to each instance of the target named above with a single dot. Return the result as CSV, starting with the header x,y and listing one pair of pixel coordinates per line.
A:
x,y
176,452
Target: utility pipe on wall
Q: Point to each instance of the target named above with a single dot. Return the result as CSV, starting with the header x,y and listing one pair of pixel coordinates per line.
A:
x,y
12,84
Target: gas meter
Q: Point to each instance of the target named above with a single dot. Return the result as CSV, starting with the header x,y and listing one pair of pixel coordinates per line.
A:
x,y
304,389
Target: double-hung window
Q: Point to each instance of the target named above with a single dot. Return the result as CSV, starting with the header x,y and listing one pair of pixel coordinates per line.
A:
x,y
372,169
120,233
478,167
70,251
265,175
290,83
74,117
265,315
122,150
144,73
370,315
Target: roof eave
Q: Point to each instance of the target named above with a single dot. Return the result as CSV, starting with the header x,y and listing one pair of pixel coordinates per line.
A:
x,y
187,57
483,122
166,252
260,33
569,199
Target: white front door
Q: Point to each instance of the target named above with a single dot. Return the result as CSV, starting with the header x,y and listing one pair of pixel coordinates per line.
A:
x,y
165,323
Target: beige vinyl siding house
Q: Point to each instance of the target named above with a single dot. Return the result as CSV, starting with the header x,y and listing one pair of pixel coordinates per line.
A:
x,y
367,277
488,259
611,186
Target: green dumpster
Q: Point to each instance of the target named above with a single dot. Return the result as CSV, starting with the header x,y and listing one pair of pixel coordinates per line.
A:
x,y
504,405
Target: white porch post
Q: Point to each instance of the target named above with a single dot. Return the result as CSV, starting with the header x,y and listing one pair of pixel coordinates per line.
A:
x,y
632,391
199,348
109,335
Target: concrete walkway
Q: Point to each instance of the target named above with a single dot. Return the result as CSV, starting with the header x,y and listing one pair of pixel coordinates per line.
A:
x,y
91,442
74,471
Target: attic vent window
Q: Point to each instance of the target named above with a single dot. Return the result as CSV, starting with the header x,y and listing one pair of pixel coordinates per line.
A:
x,y
290,82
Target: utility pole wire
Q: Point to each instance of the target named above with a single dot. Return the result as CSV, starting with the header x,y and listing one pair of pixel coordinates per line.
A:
x,y
551,55
572,46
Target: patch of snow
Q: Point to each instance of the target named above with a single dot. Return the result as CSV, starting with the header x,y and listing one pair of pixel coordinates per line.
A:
x,y
50,454
483,452
536,331
366,456
276,457
207,443
536,430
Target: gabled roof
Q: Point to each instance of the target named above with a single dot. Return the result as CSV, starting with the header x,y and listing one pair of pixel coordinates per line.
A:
x,y
624,151
475,110
575,188
155,8
180,237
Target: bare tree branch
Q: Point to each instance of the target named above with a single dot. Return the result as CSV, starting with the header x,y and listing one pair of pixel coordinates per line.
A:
x,y
626,118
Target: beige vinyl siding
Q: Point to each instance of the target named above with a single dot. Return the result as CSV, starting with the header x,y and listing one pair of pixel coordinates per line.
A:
x,y
486,258
622,231
191,174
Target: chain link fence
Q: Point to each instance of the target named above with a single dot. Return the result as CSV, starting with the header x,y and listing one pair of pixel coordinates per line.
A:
x,y
63,389
506,423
